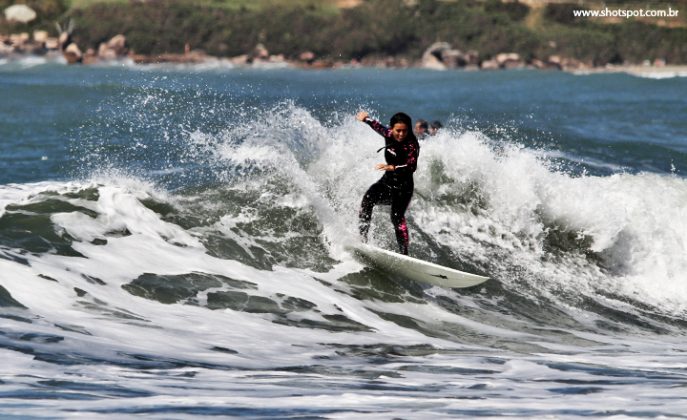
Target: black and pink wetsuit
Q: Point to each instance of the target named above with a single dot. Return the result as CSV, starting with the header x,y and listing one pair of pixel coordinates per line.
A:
x,y
395,187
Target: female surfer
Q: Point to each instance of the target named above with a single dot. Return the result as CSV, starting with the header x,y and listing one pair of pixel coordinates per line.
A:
x,y
401,151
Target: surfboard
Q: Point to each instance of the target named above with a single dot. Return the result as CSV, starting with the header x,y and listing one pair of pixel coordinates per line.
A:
x,y
415,269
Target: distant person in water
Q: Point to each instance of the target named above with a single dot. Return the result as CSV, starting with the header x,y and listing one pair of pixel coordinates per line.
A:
x,y
421,129
434,127
401,151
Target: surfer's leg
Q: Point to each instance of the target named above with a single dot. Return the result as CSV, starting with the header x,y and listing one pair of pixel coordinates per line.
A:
x,y
398,210
377,193
402,237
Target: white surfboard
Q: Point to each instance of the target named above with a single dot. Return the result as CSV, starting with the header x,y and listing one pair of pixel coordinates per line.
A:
x,y
417,270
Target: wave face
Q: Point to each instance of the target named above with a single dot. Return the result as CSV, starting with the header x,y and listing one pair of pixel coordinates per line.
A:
x,y
189,260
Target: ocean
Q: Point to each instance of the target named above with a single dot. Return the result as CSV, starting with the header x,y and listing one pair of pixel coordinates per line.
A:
x,y
173,244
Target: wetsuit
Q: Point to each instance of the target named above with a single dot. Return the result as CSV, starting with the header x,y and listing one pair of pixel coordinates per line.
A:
x,y
395,187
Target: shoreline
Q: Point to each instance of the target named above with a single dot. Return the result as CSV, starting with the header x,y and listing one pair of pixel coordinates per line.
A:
x,y
200,60
439,56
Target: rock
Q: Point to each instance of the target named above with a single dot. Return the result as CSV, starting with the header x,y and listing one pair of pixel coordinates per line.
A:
x,y
34,48
118,45
20,13
5,49
240,60
509,60
544,65
431,62
322,64
104,53
113,49
472,58
453,58
90,57
73,54
40,36
441,55
489,64
52,43
573,64
260,52
307,57
509,65
18,40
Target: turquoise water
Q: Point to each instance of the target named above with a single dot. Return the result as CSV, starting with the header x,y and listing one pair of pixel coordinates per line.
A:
x,y
172,244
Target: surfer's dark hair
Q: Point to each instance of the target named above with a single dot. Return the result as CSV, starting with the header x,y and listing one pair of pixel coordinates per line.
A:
x,y
402,117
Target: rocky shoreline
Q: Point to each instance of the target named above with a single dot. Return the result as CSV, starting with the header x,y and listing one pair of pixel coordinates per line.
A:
x,y
438,56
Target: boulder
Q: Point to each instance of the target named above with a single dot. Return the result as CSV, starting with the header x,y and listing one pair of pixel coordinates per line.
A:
x,y
118,45
113,49
441,55
307,57
40,36
240,60
509,60
430,61
489,64
453,58
20,13
18,40
104,53
73,54
514,64
260,52
52,43
472,58
573,64
90,57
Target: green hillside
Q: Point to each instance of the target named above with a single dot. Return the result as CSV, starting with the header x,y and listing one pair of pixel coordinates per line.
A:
x,y
373,28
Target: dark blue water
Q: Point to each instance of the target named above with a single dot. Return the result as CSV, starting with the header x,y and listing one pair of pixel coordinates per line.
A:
x,y
51,116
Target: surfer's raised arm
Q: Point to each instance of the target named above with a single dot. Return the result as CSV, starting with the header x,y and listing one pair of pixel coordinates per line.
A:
x,y
380,128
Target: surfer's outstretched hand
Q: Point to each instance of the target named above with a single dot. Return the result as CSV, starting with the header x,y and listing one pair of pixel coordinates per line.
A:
x,y
362,115
385,167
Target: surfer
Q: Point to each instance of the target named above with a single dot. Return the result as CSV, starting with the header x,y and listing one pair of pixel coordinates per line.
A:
x,y
401,151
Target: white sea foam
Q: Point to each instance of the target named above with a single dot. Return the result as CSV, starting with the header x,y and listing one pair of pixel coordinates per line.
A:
x,y
632,223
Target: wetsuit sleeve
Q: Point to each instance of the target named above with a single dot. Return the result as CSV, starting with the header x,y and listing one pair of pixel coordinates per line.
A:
x,y
410,164
380,128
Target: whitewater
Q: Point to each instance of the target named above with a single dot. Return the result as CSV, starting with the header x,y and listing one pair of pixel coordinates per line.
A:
x,y
172,244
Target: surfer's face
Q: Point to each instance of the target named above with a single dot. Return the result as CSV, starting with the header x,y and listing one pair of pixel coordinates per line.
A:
x,y
399,131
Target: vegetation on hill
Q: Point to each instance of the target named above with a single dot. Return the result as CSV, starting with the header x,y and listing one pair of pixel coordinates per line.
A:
x,y
374,28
